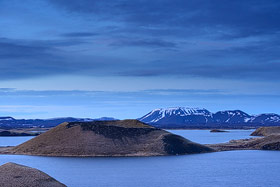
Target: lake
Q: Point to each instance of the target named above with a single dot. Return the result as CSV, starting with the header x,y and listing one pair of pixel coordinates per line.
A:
x,y
13,140
232,168
205,137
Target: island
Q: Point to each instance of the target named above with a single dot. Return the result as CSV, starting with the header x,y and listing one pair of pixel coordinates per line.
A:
x,y
107,138
217,130
12,174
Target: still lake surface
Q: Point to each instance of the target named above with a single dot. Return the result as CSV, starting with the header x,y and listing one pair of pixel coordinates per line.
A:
x,y
232,168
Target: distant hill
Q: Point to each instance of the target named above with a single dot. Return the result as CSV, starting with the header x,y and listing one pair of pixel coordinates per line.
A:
x,y
107,138
181,117
266,131
270,142
13,133
10,122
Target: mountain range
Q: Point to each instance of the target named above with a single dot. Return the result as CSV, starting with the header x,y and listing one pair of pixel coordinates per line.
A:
x,y
169,118
182,117
10,122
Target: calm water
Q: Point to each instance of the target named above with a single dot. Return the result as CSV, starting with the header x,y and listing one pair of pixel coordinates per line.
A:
x,y
233,168
206,137
12,141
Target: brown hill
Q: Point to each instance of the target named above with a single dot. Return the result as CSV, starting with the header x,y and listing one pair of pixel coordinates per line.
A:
x,y
271,142
12,175
265,131
108,138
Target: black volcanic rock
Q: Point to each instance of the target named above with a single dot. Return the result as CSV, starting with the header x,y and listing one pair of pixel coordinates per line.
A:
x,y
177,145
107,138
15,175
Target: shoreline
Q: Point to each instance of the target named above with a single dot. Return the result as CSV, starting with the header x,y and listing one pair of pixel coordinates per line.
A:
x,y
211,129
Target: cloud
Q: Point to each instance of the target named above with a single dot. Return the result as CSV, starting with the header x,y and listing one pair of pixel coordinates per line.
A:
x,y
154,43
205,39
21,59
78,34
232,19
25,59
237,72
13,50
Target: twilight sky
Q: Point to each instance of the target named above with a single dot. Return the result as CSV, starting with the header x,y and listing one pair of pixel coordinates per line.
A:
x,y
123,58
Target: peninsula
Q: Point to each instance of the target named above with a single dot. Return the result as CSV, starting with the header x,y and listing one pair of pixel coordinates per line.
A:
x,y
269,140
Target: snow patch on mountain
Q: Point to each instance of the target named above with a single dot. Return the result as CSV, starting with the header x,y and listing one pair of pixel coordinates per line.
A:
x,y
6,119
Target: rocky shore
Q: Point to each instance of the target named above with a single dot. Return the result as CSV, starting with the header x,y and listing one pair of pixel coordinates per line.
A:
x,y
270,140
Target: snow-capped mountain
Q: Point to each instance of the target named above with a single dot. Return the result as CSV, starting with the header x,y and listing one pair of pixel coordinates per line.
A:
x,y
181,117
6,118
231,116
178,115
265,118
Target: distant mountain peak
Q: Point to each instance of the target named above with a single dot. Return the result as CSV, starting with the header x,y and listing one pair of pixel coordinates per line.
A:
x,y
168,114
180,117
266,118
178,107
8,118
180,110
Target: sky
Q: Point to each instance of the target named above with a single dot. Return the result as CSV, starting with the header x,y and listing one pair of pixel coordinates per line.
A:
x,y
123,58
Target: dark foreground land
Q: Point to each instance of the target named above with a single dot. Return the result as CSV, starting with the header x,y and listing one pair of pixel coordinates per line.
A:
x,y
12,175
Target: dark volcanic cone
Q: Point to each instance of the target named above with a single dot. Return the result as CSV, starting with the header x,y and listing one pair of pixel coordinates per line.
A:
x,y
12,175
108,138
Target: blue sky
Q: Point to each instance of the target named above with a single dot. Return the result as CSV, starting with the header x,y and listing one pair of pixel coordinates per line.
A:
x,y
122,58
